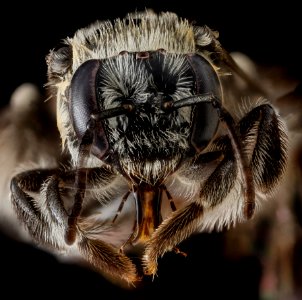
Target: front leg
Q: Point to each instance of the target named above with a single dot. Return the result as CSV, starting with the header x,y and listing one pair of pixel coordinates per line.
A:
x,y
36,197
264,148
184,222
264,139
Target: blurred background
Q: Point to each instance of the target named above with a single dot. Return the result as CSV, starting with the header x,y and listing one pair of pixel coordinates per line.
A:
x,y
260,260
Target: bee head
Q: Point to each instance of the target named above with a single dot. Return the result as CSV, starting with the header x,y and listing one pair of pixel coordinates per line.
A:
x,y
136,99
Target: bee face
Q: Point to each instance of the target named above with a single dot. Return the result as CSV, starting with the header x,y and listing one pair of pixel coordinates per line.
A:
x,y
145,110
145,73
148,141
147,84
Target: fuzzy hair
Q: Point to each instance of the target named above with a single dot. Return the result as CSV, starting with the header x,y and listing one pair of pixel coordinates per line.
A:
x,y
105,39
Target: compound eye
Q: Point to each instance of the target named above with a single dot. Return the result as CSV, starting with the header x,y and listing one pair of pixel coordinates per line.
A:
x,y
204,116
83,104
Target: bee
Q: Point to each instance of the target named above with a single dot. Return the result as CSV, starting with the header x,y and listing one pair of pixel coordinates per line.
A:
x,y
160,145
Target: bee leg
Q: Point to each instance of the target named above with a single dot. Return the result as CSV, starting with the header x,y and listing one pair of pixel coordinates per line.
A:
x,y
46,219
241,158
38,204
120,208
173,208
179,226
185,221
28,208
264,139
170,198
108,259
99,254
54,202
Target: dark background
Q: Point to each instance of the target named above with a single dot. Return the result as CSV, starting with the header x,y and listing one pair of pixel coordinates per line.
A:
x,y
268,34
